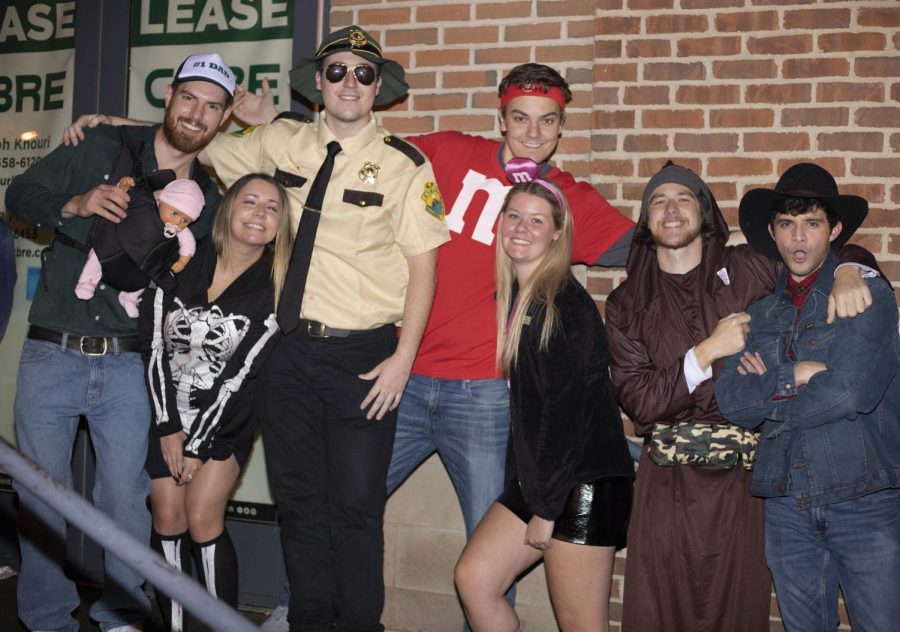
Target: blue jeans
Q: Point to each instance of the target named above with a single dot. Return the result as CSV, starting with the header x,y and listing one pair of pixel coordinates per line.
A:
x,y
56,386
853,544
467,423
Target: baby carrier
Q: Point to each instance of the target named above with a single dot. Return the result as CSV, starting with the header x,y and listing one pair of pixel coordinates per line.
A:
x,y
134,251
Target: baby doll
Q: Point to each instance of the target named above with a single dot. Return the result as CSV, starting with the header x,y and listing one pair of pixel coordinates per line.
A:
x,y
179,204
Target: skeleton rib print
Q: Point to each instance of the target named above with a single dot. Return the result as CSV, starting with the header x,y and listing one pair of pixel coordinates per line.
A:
x,y
197,343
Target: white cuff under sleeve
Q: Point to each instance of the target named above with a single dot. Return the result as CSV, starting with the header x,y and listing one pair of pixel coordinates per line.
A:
x,y
865,271
693,374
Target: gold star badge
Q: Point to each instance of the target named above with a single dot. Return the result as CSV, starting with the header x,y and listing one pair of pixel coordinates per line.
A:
x,y
369,172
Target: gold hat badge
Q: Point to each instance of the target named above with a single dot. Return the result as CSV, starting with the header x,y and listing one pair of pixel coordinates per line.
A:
x,y
357,38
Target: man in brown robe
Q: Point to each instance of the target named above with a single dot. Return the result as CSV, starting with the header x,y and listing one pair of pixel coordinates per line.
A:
x,y
695,544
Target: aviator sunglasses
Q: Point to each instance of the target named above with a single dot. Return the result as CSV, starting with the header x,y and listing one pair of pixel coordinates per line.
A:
x,y
336,72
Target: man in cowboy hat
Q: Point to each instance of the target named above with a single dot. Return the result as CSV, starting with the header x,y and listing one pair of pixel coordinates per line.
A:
x,y
331,388
828,400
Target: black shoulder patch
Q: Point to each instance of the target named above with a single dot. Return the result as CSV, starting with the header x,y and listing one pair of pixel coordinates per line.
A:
x,y
408,149
293,116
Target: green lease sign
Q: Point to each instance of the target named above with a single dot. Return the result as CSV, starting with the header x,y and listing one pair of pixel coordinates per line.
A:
x,y
194,22
33,27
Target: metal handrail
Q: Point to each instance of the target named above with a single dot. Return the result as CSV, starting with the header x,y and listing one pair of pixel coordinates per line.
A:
x,y
137,555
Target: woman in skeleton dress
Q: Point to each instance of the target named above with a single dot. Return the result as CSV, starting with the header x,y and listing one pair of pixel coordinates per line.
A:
x,y
203,347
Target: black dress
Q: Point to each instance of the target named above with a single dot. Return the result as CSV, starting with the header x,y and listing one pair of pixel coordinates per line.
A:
x,y
202,359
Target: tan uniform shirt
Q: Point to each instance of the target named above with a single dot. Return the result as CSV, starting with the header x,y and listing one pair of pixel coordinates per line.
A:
x,y
379,208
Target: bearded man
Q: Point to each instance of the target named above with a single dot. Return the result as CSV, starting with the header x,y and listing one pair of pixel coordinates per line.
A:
x,y
81,356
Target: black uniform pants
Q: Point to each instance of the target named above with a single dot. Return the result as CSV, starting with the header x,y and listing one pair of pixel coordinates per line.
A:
x,y
327,466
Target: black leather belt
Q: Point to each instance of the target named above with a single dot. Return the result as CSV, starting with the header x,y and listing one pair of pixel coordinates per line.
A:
x,y
315,329
86,345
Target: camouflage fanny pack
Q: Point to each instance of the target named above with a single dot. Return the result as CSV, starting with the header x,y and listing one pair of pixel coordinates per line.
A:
x,y
703,444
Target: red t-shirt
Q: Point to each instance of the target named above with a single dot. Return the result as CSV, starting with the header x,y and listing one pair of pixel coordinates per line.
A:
x,y
461,336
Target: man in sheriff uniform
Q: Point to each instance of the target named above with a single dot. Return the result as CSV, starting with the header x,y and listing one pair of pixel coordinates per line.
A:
x,y
332,386
81,356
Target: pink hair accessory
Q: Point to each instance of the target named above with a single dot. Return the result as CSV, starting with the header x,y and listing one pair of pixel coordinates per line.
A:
x,y
521,170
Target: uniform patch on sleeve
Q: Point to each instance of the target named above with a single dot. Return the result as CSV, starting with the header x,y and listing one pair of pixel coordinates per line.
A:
x,y
433,202
244,132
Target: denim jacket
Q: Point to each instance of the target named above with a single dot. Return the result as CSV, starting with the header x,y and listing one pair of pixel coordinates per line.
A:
x,y
838,437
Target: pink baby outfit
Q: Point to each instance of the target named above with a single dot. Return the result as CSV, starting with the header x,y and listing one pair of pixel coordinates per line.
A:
x,y
183,195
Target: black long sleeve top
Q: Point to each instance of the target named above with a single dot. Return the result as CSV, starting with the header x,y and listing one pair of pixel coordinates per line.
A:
x,y
566,427
203,357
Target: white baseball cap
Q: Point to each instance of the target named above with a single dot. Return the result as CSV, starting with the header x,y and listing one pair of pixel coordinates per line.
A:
x,y
206,67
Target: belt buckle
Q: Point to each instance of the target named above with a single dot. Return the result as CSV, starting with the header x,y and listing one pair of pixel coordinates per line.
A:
x,y
92,354
311,331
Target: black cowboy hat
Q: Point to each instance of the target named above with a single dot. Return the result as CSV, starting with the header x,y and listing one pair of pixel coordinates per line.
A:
x,y
804,180
358,42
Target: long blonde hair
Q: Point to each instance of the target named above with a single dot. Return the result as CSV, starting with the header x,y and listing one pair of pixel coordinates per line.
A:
x,y
284,238
543,285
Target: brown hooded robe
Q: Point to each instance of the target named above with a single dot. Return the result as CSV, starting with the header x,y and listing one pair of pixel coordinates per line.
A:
x,y
695,560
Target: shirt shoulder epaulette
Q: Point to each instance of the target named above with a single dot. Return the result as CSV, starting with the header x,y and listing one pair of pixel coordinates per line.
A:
x,y
292,116
405,148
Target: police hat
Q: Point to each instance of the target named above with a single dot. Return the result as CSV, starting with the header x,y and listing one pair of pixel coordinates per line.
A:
x,y
358,42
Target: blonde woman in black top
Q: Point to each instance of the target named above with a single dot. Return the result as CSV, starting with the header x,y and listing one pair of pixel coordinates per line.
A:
x,y
569,475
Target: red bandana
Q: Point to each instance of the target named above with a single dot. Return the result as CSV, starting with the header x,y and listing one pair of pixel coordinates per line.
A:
x,y
799,290
533,90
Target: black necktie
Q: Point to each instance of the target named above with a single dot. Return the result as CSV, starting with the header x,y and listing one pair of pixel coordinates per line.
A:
x,y
295,280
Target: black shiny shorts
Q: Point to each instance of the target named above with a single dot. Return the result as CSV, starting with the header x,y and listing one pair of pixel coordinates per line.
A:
x,y
156,466
595,514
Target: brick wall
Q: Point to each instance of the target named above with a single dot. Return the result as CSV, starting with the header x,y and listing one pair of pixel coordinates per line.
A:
x,y
738,90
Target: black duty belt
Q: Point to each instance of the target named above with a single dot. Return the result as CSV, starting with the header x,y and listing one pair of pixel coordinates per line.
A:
x,y
316,329
86,345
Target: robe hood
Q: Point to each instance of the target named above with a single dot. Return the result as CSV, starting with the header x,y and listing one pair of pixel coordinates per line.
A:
x,y
642,266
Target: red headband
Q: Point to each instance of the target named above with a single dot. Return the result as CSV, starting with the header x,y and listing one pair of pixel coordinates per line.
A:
x,y
533,90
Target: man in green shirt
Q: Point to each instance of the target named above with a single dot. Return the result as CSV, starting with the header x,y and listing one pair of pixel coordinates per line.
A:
x,y
81,356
